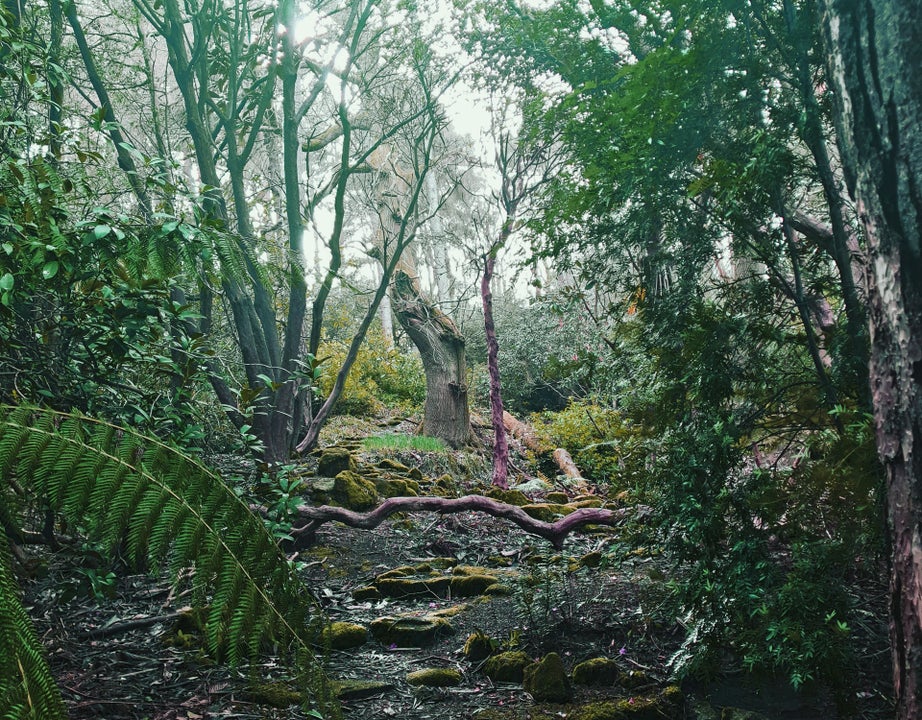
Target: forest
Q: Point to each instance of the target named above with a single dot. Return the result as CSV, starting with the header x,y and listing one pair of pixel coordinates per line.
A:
x,y
461,359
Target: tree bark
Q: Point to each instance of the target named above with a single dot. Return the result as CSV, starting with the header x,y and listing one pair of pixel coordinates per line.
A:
x,y
441,346
874,52
500,446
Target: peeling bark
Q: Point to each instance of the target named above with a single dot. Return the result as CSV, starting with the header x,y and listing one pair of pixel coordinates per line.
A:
x,y
874,52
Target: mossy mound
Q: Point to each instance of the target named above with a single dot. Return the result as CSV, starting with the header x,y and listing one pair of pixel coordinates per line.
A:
x,y
409,631
478,646
547,512
396,487
354,492
444,486
471,585
400,587
557,497
587,501
435,677
591,559
335,460
392,465
273,694
499,590
358,689
598,672
368,592
343,635
634,679
547,680
507,667
668,705
510,497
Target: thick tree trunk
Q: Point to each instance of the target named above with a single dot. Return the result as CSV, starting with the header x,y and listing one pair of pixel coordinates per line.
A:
x,y
874,51
500,446
441,347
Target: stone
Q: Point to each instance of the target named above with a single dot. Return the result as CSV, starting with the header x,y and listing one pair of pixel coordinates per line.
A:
x,y
435,677
471,585
361,594
557,497
394,465
478,646
634,679
507,666
343,635
408,630
354,492
548,512
408,587
535,485
598,672
334,460
547,680
510,497
499,590
273,694
591,559
444,486
358,689
395,487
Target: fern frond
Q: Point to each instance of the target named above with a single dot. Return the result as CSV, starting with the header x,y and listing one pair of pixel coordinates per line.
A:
x,y
168,510
27,688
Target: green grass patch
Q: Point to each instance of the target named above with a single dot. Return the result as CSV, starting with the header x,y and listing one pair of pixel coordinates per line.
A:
x,y
423,443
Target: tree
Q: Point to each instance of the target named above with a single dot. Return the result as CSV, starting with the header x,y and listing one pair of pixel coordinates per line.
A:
x,y
873,54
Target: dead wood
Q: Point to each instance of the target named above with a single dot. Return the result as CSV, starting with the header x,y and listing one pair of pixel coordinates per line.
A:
x,y
565,462
312,518
524,433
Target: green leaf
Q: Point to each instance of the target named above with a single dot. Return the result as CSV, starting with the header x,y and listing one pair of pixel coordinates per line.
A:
x,y
50,269
7,281
100,231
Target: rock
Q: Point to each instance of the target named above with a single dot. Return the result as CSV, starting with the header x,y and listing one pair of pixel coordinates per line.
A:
x,y
334,460
732,713
471,585
358,689
478,646
586,501
634,679
395,487
273,694
557,497
444,486
591,559
507,667
547,680
668,705
416,475
499,590
408,587
401,571
435,677
599,672
409,631
389,464
368,592
343,635
354,492
510,497
548,512
535,485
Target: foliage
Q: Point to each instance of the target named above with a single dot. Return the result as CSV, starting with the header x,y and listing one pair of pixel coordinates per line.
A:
x,y
381,376
160,507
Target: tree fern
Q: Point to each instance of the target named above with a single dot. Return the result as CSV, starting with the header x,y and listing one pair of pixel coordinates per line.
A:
x,y
27,688
162,508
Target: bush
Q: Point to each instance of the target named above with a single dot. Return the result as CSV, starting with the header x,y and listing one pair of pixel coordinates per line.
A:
x,y
381,376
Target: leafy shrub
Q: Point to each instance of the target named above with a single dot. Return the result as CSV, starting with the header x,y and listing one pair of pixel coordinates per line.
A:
x,y
382,375
605,446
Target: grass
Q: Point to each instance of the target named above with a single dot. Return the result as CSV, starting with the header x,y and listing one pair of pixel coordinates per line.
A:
x,y
423,443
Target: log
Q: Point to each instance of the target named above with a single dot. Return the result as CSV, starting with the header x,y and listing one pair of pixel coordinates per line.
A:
x,y
565,462
310,518
524,433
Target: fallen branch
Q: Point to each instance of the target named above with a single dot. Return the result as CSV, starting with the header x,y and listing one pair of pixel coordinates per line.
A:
x,y
565,462
555,532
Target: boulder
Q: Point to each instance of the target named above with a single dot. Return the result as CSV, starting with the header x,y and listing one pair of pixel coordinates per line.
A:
x,y
354,492
507,666
547,680
435,677
334,460
343,635
598,672
409,631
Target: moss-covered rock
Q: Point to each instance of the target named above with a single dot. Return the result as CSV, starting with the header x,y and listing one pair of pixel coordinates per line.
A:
x,y
547,512
598,672
395,487
478,646
435,677
400,571
343,635
668,705
499,590
557,497
354,492
586,501
358,689
591,559
416,475
273,694
409,631
634,679
399,587
471,585
335,460
510,497
368,592
444,486
547,680
392,465
507,666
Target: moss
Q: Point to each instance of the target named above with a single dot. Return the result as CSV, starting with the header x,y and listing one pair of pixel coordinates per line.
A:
x,y
547,680
560,498
591,559
360,594
600,671
478,646
409,631
401,571
408,587
343,635
334,460
444,486
274,694
507,667
449,611
416,475
394,487
442,563
471,585
354,492
389,464
586,501
435,677
499,590
357,689
634,679
510,497
548,512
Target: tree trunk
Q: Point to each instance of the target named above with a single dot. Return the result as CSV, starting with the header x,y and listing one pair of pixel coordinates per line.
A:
x,y
441,347
874,51
500,446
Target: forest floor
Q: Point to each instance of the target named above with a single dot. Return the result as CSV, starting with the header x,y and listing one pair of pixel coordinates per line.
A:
x,y
117,651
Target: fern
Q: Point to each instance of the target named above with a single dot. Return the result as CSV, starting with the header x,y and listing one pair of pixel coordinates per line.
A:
x,y
138,495
27,688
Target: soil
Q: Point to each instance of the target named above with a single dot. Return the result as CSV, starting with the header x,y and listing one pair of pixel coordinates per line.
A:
x,y
115,650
